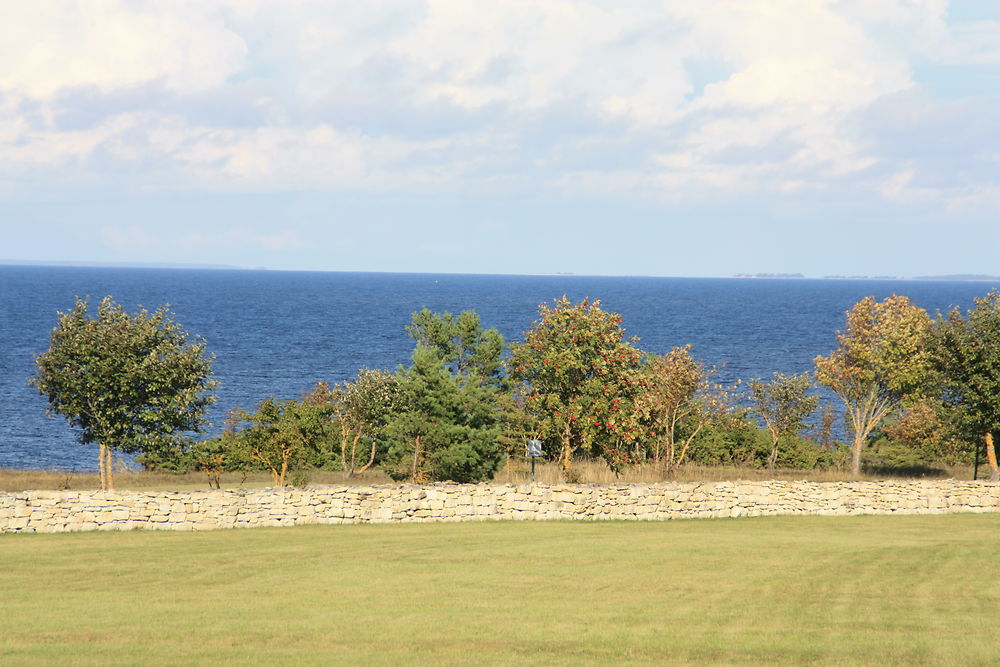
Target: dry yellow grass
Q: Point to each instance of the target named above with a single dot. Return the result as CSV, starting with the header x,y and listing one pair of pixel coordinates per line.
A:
x,y
22,480
590,472
596,472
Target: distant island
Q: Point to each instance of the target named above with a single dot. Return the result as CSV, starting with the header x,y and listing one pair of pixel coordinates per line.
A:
x,y
952,277
120,265
769,276
959,277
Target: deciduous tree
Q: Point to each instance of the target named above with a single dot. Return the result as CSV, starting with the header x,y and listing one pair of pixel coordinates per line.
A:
x,y
967,357
128,382
678,400
284,434
882,357
582,377
363,408
784,405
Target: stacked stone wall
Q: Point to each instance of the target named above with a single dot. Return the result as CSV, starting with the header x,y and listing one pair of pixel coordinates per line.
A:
x,y
64,511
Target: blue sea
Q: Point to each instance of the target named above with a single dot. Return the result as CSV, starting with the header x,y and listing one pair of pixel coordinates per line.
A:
x,y
278,333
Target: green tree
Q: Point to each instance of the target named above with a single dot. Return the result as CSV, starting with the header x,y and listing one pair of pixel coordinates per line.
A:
x,y
284,435
883,357
967,358
447,429
448,419
129,382
460,344
362,409
583,378
212,457
784,405
677,401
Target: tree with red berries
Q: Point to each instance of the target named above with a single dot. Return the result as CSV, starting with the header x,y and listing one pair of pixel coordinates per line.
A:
x,y
582,378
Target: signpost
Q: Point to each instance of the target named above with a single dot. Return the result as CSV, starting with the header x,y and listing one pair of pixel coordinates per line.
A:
x,y
534,451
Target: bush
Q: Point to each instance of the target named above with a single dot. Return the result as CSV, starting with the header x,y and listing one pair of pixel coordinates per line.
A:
x,y
743,446
750,447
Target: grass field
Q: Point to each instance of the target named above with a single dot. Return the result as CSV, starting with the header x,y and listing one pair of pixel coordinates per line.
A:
x,y
786,590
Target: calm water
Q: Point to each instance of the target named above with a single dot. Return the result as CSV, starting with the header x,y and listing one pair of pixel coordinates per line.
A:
x,y
277,333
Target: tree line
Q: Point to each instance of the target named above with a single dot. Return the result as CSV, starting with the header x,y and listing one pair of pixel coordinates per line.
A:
x,y
915,390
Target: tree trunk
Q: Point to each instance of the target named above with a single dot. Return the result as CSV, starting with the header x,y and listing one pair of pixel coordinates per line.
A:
x,y
859,443
371,459
284,468
110,461
354,454
566,458
343,455
667,462
416,459
991,457
101,470
772,460
566,454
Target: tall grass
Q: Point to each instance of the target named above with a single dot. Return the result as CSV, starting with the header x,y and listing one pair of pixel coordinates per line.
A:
x,y
22,480
596,472
515,472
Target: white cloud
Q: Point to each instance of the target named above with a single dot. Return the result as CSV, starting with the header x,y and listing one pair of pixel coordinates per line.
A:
x,y
447,94
48,46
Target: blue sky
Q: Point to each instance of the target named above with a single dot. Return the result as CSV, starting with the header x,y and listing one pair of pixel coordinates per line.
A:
x,y
685,137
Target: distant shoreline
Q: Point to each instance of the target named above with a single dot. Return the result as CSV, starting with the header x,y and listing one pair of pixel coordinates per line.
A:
x,y
952,278
970,278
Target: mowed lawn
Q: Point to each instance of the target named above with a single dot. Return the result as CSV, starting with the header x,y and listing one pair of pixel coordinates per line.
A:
x,y
787,590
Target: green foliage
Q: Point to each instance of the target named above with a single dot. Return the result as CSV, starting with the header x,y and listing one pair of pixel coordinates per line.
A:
x,y
676,402
362,409
582,380
742,446
883,356
920,433
174,456
966,354
748,446
129,382
447,417
460,344
518,424
281,435
213,457
783,405
797,453
447,428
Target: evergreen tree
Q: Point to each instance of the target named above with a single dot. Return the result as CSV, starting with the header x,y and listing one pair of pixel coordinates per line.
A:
x,y
449,422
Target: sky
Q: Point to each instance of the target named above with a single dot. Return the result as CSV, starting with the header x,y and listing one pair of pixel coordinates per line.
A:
x,y
608,137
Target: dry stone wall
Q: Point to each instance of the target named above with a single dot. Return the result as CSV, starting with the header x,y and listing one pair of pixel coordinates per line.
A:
x,y
64,511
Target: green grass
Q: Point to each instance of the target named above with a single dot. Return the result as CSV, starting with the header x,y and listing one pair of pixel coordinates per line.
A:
x,y
785,590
